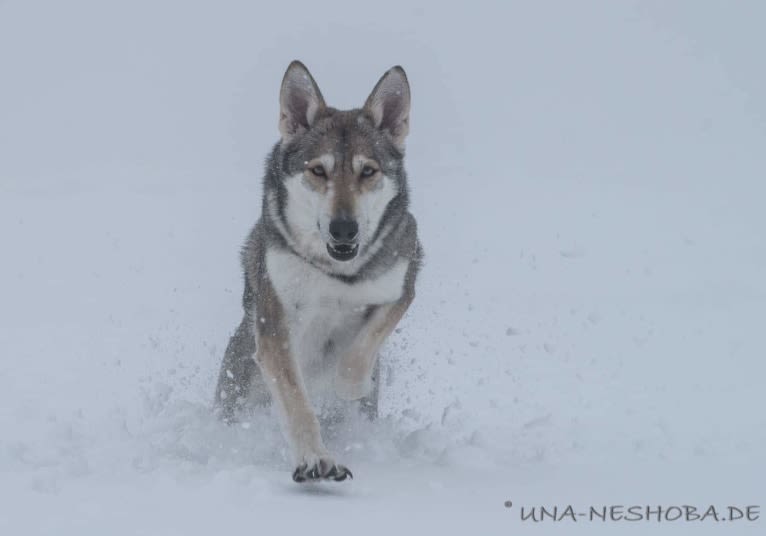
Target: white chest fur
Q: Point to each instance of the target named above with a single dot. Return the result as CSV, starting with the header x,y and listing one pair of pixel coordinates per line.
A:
x,y
320,309
299,283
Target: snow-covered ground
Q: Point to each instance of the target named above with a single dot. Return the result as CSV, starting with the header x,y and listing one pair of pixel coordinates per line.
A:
x,y
589,184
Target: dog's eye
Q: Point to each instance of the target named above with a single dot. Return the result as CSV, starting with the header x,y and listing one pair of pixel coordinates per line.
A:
x,y
368,171
318,171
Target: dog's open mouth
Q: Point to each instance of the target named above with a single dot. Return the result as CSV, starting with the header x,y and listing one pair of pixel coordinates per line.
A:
x,y
342,252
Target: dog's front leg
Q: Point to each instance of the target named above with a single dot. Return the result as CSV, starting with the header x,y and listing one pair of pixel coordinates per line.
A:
x,y
353,378
283,378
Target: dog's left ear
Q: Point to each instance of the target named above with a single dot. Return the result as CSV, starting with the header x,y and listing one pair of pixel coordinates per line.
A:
x,y
389,105
299,101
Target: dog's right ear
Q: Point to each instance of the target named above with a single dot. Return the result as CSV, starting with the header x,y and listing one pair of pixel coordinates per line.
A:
x,y
299,101
389,105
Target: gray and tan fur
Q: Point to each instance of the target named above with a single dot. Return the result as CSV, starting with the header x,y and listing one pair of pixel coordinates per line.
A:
x,y
330,267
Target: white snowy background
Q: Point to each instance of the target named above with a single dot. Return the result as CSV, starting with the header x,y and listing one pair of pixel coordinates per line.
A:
x,y
588,179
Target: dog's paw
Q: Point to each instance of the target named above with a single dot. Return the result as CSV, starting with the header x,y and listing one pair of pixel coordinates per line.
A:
x,y
323,468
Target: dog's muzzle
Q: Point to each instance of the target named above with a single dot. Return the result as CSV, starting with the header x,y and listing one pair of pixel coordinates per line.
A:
x,y
341,251
344,233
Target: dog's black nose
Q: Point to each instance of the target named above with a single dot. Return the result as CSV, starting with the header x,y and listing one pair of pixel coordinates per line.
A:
x,y
343,230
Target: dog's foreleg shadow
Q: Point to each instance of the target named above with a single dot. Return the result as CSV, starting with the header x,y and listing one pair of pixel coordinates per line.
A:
x,y
319,489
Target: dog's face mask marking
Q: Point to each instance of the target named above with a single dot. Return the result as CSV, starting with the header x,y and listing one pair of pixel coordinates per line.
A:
x,y
342,168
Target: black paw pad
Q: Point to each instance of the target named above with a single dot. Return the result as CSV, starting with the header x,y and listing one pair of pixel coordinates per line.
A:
x,y
321,471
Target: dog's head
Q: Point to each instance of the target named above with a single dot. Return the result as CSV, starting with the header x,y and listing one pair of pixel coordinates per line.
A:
x,y
342,178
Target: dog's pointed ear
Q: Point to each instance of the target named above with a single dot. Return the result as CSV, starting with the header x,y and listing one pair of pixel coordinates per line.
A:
x,y
299,101
389,105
